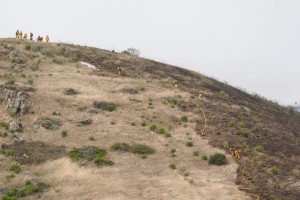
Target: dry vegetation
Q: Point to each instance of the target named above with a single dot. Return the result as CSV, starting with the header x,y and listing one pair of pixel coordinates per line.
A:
x,y
120,137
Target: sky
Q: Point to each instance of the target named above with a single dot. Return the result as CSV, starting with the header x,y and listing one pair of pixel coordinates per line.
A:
x,y
251,44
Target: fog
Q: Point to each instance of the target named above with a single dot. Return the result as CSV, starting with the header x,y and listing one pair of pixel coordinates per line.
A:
x,y
252,44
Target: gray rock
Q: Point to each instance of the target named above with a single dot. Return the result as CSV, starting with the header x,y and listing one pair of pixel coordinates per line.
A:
x,y
106,106
19,67
85,122
70,91
15,58
47,123
94,111
15,126
18,139
129,90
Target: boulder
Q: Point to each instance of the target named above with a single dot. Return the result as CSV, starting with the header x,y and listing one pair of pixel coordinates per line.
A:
x,y
85,122
19,67
70,91
106,106
15,126
47,123
129,91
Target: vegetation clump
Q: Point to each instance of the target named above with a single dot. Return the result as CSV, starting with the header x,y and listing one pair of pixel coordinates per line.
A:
x,y
274,170
259,148
217,159
172,166
28,189
184,119
15,167
189,144
90,154
142,149
106,106
121,147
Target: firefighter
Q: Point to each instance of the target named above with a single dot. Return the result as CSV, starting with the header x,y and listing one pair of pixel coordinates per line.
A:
x,y
238,154
202,132
31,36
200,97
25,36
233,150
119,71
20,35
47,39
175,84
17,34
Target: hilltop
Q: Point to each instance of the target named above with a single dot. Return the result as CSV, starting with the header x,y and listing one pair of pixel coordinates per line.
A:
x,y
92,134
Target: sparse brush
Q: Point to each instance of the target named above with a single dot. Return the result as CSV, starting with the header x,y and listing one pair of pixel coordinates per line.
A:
x,y
217,159
172,166
184,119
189,144
64,133
15,167
142,149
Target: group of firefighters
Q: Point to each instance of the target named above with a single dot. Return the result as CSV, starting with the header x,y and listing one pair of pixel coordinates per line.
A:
x,y
19,35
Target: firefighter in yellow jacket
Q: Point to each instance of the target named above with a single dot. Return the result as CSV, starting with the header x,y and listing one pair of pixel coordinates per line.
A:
x,y
20,35
120,71
47,39
175,84
17,34
25,36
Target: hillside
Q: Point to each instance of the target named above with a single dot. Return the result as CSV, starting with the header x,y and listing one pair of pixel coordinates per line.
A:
x,y
108,118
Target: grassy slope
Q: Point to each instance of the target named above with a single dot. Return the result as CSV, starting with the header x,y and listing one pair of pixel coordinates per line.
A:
x,y
267,124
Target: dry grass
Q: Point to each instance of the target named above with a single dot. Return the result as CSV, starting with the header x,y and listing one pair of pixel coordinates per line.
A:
x,y
131,177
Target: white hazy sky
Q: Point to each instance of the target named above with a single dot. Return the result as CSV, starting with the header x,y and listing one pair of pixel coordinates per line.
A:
x,y
253,44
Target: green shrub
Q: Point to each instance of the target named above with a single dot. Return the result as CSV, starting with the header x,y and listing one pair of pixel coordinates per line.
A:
x,y
143,124
172,101
196,153
259,148
172,166
161,131
10,176
105,106
49,54
27,47
91,138
274,170
217,159
133,124
241,124
15,167
242,133
189,144
153,127
9,152
35,67
184,119
142,149
4,124
92,154
168,135
57,61
30,81
231,123
255,158
74,59
123,147
64,133
204,157
225,144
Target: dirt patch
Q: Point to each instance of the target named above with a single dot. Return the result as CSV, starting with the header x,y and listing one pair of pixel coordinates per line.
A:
x,y
36,152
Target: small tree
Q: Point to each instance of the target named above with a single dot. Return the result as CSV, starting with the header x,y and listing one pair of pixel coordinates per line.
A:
x,y
133,51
